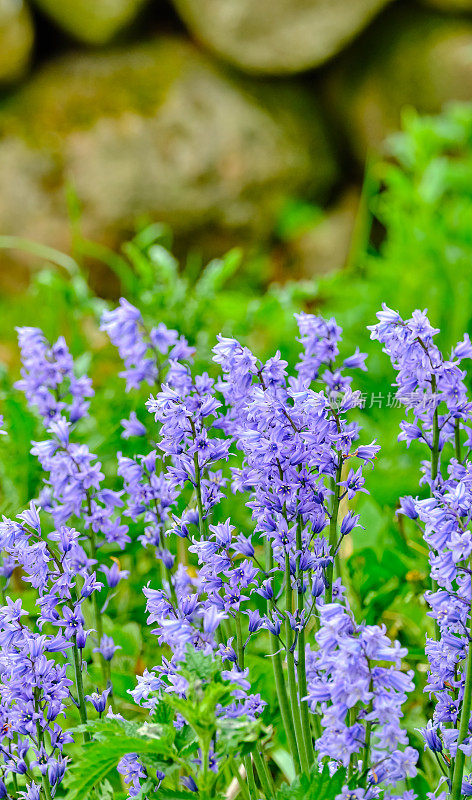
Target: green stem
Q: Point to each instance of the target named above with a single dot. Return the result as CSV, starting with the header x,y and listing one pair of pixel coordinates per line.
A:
x,y
77,658
166,577
250,778
434,475
368,734
292,682
239,642
46,787
440,765
240,652
464,724
276,659
80,689
235,772
93,551
166,572
301,666
435,449
40,734
263,773
333,530
282,695
198,491
205,748
457,439
13,774
105,665
351,721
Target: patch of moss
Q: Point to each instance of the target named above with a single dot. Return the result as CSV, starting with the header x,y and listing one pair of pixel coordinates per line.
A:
x,y
72,93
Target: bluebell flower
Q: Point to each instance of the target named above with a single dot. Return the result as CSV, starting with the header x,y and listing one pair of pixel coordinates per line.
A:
x,y
133,773
32,792
467,786
114,574
48,378
346,672
431,737
107,648
99,700
189,783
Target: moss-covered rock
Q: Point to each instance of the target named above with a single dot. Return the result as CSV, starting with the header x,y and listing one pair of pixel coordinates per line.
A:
x,y
277,36
450,5
16,39
418,59
94,22
156,131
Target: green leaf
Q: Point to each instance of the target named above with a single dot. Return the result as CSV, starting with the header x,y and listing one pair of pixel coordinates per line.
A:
x,y
165,262
284,761
319,785
163,733
149,235
98,757
146,787
162,713
199,665
41,251
141,263
233,734
217,273
106,791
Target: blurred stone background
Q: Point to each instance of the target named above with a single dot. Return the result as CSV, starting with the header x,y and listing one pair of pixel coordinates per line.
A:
x,y
211,115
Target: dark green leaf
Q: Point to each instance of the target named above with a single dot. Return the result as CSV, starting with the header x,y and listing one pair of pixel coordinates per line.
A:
x,y
317,786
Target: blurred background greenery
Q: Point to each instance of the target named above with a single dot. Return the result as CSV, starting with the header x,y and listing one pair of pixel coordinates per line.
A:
x,y
223,164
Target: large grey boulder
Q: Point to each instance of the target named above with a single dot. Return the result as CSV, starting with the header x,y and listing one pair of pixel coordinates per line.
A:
x,y
16,40
277,36
156,131
94,22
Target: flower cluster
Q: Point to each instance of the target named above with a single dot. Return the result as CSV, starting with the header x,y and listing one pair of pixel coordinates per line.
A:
x,y
442,413
284,440
296,444
74,490
133,773
33,687
148,495
427,384
359,699
33,694
320,339
185,409
48,379
145,352
62,564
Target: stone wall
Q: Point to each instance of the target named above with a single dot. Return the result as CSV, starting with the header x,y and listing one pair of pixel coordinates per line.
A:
x,y
210,114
